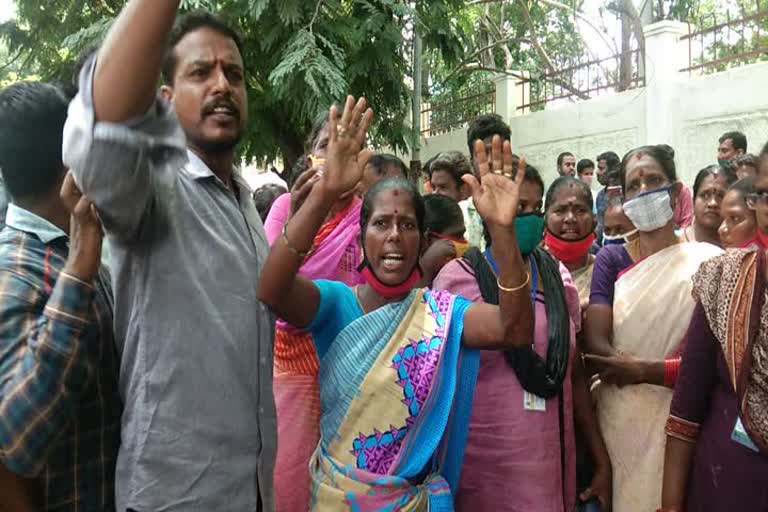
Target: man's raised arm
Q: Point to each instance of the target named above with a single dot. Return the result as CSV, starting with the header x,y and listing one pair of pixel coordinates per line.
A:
x,y
130,60
120,138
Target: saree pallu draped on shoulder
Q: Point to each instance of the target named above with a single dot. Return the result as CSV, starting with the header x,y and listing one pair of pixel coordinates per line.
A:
x,y
396,391
732,290
651,312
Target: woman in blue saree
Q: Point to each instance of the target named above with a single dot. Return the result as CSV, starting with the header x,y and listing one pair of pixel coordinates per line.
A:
x,y
397,364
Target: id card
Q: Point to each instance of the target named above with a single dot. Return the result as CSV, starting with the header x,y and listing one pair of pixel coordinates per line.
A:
x,y
741,436
532,402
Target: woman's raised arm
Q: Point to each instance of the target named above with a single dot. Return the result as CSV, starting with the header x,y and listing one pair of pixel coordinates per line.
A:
x,y
496,197
292,297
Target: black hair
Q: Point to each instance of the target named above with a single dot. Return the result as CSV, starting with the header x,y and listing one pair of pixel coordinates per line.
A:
x,y
190,22
299,166
484,126
611,159
567,181
662,153
452,162
381,161
441,213
532,175
32,116
392,184
613,174
738,139
264,197
71,89
561,156
747,159
744,186
427,165
728,175
584,163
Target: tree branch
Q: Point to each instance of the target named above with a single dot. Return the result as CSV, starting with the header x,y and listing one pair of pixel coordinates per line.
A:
x,y
545,57
464,65
314,16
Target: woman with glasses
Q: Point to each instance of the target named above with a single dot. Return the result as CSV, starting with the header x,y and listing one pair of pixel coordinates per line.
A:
x,y
640,306
717,433
708,191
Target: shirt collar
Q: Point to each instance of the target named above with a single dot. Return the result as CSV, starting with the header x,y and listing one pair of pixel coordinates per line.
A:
x,y
199,170
196,168
26,221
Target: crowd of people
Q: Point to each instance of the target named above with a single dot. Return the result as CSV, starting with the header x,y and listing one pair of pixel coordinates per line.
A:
x,y
349,342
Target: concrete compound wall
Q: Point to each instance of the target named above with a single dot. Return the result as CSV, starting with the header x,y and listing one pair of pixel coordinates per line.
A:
x,y
688,113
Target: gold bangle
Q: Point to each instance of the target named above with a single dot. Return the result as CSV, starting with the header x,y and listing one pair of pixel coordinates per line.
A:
x,y
517,288
301,254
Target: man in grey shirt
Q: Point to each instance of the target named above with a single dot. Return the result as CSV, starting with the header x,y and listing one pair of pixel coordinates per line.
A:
x,y
199,429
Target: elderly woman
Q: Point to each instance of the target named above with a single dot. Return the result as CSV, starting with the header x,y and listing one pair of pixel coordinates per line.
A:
x,y
640,307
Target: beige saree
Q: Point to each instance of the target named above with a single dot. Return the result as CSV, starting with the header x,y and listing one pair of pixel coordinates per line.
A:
x,y
651,311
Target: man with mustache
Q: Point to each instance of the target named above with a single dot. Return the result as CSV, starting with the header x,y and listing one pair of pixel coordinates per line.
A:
x,y
199,430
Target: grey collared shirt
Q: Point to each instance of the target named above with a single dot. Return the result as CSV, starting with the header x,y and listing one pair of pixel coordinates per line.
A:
x,y
199,429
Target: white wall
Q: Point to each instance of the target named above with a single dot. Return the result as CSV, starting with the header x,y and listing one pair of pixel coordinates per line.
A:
x,y
688,113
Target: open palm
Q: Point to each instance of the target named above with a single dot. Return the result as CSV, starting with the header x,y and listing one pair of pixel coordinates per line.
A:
x,y
345,158
497,194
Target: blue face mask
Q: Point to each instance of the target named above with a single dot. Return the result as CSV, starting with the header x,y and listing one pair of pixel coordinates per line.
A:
x,y
618,239
529,230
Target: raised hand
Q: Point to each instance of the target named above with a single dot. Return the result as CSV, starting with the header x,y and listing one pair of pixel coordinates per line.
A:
x,y
346,157
85,233
497,194
302,187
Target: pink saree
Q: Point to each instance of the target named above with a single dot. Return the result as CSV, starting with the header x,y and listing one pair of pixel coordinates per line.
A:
x,y
336,256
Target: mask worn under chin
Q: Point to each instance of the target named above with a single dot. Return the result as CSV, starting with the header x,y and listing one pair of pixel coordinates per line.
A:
x,y
724,162
568,251
387,290
651,210
618,239
529,230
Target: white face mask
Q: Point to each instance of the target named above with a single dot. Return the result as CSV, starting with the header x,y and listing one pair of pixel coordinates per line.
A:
x,y
651,210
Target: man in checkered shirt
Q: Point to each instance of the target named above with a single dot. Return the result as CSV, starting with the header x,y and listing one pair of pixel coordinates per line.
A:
x,y
59,403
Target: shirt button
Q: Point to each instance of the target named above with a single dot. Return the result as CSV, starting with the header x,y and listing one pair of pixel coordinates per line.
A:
x,y
261,410
263,360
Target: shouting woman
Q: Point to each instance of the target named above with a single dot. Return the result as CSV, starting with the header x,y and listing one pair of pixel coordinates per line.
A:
x,y
397,364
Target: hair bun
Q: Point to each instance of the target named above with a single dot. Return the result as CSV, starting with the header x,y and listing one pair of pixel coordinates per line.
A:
x,y
668,150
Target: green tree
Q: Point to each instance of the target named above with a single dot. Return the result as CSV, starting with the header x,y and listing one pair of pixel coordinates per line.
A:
x,y
301,56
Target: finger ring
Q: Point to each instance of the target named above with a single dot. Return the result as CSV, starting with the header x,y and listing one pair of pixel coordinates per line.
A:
x,y
498,171
342,131
508,175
